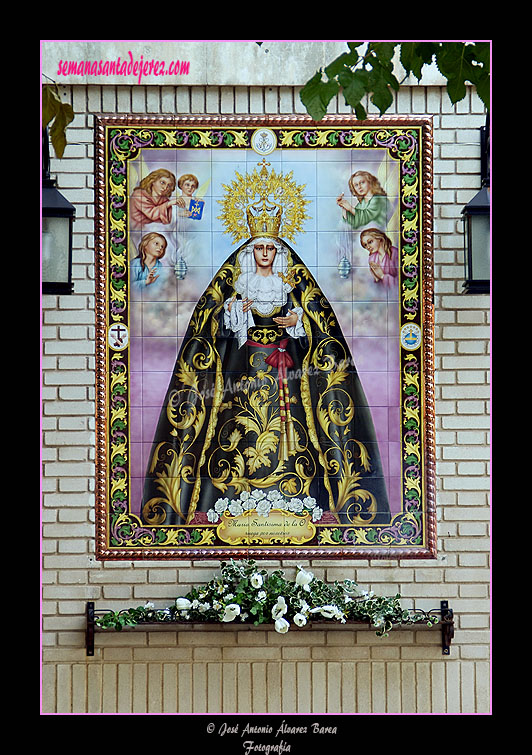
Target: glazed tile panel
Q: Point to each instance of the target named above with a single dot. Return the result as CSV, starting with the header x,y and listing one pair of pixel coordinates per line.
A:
x,y
332,453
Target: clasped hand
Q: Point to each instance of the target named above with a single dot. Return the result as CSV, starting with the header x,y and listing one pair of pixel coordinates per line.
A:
x,y
285,322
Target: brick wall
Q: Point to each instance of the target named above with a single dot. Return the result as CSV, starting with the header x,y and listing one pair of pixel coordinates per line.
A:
x,y
251,671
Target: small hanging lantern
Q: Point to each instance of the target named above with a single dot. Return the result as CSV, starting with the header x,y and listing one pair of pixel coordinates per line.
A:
x,y
476,219
180,268
56,233
344,249
344,267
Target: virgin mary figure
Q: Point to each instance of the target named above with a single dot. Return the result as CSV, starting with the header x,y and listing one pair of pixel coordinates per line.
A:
x,y
265,399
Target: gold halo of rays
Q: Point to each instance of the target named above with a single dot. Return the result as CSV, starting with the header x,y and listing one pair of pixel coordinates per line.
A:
x,y
261,188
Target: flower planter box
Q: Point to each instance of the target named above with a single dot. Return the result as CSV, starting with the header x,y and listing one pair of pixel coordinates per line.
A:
x,y
442,618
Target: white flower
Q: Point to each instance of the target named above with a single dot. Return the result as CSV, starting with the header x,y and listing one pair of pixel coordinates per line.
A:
x,y
229,596
248,503
280,608
316,513
244,495
231,612
149,605
256,580
304,578
261,595
274,495
305,608
296,504
281,625
258,494
235,508
183,604
378,621
300,619
329,612
263,508
212,516
221,505
309,502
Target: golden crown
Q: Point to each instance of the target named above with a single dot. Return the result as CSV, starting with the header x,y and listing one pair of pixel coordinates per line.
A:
x,y
264,219
266,203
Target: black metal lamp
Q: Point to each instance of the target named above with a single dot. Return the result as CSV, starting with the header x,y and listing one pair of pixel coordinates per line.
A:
x,y
57,220
476,219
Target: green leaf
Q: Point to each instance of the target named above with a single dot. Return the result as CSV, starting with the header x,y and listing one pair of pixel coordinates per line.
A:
x,y
316,95
481,53
410,59
458,62
60,113
360,112
426,51
50,103
63,117
354,86
483,89
353,45
456,89
381,97
344,60
384,52
455,61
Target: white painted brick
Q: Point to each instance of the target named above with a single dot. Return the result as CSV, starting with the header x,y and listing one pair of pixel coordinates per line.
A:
x,y
183,100
227,100
152,99
467,483
473,559
473,528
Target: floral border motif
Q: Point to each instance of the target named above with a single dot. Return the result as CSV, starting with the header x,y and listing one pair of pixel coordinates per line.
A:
x,y
120,534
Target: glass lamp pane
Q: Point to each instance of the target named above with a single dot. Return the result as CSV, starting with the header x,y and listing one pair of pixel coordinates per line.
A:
x,y
480,246
55,250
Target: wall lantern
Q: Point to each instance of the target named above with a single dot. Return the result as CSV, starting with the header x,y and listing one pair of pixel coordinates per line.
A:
x,y
476,219
56,240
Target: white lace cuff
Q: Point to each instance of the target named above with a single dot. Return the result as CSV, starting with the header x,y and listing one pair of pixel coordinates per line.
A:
x,y
297,330
237,320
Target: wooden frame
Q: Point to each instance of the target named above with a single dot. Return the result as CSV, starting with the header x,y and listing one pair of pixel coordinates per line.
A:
x,y
382,311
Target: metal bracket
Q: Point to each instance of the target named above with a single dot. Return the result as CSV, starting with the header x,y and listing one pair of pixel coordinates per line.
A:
x,y
89,630
447,627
